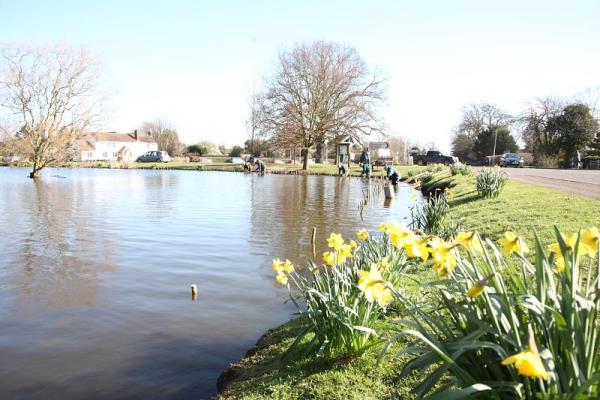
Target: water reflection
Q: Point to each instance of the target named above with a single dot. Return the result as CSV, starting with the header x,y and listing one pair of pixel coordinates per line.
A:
x,y
57,261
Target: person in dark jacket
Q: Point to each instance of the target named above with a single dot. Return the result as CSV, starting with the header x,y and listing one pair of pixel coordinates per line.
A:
x,y
261,168
365,160
392,175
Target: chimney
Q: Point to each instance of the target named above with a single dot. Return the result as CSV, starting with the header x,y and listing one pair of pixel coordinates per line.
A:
x,y
135,136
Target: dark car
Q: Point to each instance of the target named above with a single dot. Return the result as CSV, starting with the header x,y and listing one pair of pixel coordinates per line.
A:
x,y
511,160
433,157
154,156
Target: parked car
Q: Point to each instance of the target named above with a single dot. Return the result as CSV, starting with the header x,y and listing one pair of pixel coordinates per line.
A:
x,y
154,156
433,157
511,160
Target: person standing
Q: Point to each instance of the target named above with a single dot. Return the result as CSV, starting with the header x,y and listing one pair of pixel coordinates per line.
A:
x,y
365,161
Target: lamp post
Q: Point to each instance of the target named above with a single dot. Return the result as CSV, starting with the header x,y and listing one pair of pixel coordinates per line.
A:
x,y
495,139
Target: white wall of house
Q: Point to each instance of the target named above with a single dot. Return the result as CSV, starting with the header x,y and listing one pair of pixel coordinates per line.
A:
x,y
109,151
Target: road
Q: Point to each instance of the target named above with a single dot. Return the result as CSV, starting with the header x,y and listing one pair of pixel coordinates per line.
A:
x,y
582,182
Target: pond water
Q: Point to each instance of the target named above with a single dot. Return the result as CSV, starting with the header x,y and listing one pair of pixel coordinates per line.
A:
x,y
96,268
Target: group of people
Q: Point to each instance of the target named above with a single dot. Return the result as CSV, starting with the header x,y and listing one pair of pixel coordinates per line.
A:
x,y
365,162
261,168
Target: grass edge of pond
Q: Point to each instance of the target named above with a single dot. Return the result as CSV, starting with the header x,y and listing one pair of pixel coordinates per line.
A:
x,y
520,207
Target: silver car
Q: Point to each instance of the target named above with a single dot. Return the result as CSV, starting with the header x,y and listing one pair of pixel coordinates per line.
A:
x,y
511,160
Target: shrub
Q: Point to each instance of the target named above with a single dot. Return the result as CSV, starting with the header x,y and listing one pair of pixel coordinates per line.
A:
x,y
236,151
429,216
460,169
435,168
510,329
490,182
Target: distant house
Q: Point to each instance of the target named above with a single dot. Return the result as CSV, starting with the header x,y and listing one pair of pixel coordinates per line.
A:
x,y
113,146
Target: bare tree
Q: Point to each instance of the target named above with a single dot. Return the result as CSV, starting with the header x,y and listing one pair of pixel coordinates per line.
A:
x,y
254,119
476,119
50,91
317,92
534,125
165,135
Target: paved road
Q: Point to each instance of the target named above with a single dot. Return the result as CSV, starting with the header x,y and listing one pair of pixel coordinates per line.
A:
x,y
582,182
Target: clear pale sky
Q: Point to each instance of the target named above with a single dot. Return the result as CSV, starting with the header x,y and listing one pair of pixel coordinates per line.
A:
x,y
194,63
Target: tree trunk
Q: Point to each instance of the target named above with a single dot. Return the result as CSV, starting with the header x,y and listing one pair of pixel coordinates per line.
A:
x,y
36,169
319,153
305,159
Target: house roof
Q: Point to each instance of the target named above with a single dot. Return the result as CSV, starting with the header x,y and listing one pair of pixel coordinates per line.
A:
x,y
84,145
122,137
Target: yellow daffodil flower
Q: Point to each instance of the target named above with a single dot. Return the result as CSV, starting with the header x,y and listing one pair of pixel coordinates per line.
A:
x,y
329,258
399,236
442,255
478,287
335,241
512,243
373,286
288,267
475,290
363,234
470,241
344,252
528,363
590,237
277,265
417,248
353,244
383,264
281,279
571,242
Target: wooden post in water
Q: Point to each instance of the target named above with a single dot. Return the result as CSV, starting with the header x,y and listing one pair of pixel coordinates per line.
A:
x,y
194,292
314,235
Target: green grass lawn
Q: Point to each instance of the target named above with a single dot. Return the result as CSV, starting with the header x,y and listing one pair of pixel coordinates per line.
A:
x,y
521,208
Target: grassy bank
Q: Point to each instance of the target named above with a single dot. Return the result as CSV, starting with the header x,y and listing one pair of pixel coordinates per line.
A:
x,y
266,374
522,208
293,169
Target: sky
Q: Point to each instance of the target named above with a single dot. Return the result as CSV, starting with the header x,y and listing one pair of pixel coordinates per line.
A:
x,y
195,63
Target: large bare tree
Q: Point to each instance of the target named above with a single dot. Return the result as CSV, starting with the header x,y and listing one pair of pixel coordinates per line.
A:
x,y
317,92
534,122
51,93
476,119
165,136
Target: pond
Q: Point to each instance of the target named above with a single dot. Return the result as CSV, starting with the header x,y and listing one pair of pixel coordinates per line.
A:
x,y
96,268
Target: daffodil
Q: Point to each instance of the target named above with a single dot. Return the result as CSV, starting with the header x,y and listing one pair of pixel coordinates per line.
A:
x,y
335,241
470,241
329,258
590,237
374,287
363,234
475,290
400,235
288,267
344,253
478,287
353,244
277,265
383,264
571,242
416,248
444,260
281,278
528,363
512,243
